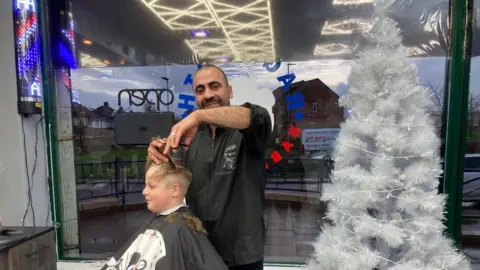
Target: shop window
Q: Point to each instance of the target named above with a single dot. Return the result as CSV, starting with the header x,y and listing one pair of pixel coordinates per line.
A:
x,y
109,173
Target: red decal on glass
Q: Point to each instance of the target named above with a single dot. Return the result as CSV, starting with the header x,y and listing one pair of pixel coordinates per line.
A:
x,y
287,146
276,156
294,131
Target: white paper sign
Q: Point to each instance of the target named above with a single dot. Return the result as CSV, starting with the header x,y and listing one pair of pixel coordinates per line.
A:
x,y
322,139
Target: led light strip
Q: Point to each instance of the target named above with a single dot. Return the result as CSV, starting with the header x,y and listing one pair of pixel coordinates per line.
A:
x,y
219,22
346,27
334,49
271,29
89,61
215,14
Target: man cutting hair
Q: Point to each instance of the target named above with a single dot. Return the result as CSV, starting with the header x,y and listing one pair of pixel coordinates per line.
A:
x,y
226,149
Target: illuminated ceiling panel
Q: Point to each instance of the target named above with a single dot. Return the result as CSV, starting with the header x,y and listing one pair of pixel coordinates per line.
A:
x,y
414,51
88,61
242,31
334,49
346,27
352,2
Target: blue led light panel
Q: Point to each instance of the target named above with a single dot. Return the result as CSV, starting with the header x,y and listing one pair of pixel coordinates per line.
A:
x,y
27,43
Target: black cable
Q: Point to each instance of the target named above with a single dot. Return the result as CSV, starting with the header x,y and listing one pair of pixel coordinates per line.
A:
x,y
30,179
36,153
29,204
49,179
47,219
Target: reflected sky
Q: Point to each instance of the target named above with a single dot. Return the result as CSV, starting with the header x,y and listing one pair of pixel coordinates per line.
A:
x,y
97,85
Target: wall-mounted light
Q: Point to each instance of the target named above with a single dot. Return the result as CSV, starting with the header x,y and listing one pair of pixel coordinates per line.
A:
x,y
223,59
29,66
87,41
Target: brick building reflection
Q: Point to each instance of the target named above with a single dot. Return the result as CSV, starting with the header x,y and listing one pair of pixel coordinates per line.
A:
x,y
321,107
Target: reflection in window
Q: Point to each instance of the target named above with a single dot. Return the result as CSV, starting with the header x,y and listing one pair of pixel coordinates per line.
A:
x,y
472,162
110,176
317,40
471,173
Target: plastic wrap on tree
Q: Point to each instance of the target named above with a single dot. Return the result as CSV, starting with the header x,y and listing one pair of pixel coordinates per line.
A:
x,y
383,203
425,25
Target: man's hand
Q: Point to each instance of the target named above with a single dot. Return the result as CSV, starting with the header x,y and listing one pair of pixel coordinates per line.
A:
x,y
153,151
186,128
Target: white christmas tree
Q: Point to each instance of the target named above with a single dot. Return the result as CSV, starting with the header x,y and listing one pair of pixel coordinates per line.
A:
x,y
383,199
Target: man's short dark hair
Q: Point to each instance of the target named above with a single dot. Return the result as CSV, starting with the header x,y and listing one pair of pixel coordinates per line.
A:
x,y
213,66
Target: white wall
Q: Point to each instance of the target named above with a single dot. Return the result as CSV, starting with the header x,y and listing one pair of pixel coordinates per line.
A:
x,y
13,175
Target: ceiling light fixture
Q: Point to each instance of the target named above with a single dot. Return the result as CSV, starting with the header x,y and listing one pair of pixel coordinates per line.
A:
x,y
333,49
219,22
199,33
246,30
87,60
222,59
415,51
346,27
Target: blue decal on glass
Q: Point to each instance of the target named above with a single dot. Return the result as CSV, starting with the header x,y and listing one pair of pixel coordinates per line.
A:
x,y
272,66
298,115
185,114
188,79
295,101
185,104
287,79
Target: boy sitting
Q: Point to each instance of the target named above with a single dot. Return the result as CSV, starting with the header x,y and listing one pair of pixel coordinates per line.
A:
x,y
174,239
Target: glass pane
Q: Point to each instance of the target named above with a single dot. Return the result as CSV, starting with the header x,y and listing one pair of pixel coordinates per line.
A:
x,y
157,55
471,181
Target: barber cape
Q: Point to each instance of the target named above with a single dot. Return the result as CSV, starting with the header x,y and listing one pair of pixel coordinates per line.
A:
x,y
173,240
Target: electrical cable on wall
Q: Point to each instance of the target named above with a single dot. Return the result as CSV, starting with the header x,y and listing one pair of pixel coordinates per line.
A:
x,y
47,187
30,178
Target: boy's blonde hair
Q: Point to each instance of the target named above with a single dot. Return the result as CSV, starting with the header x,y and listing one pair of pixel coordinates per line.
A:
x,y
177,173
183,176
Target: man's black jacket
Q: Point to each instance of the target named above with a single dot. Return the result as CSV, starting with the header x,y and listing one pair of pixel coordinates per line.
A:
x,y
228,188
174,242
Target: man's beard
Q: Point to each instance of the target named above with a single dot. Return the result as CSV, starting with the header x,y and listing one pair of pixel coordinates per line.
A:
x,y
211,101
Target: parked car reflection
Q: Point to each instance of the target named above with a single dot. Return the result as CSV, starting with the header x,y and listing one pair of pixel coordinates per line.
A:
x,y
471,181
